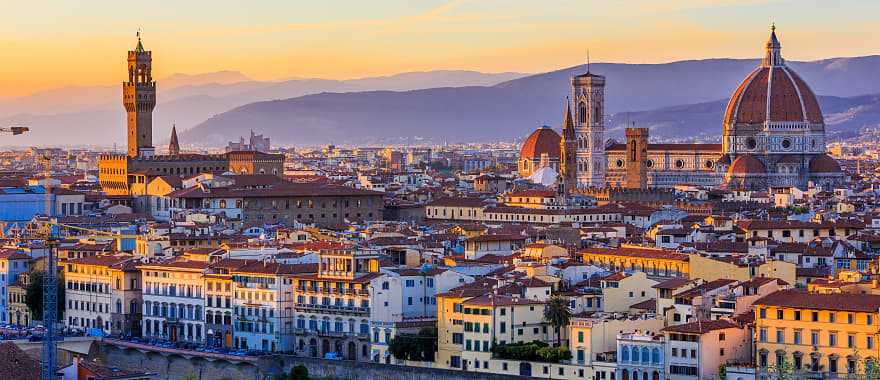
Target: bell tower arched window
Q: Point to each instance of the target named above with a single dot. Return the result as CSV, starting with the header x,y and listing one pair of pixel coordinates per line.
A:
x,y
582,113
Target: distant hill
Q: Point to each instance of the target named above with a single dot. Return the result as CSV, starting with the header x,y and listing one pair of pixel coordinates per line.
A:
x,y
97,115
454,106
680,99
702,121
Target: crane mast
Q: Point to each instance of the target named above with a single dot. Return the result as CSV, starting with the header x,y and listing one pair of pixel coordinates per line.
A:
x,y
50,282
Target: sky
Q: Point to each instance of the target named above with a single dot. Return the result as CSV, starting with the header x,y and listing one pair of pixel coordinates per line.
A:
x,y
58,43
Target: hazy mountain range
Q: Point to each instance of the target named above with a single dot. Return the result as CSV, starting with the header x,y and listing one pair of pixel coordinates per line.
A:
x,y
96,115
678,100
681,99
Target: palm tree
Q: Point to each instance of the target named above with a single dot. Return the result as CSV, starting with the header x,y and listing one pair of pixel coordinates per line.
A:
x,y
558,315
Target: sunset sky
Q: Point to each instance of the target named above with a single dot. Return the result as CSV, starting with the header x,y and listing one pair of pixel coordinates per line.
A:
x,y
57,43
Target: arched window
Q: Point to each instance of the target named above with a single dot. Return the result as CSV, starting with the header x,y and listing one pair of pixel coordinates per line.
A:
x,y
624,352
635,354
582,113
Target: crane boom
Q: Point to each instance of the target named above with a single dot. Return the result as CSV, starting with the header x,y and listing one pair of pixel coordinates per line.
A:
x,y
16,130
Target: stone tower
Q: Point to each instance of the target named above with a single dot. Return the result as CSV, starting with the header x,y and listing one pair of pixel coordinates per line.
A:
x,y
173,145
568,149
636,158
139,98
588,94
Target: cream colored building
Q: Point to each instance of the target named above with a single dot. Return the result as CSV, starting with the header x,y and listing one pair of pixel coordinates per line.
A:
x,y
103,292
174,301
620,291
709,269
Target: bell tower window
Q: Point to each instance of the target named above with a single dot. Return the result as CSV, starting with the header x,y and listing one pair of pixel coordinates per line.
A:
x,y
582,113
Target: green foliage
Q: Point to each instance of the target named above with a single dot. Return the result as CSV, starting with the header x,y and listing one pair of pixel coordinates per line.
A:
x,y
34,296
536,351
558,315
417,347
299,372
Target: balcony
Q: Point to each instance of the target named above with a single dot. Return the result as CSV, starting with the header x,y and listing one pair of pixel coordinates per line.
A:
x,y
332,309
332,334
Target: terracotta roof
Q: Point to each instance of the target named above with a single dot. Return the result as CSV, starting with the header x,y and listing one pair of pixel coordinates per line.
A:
x,y
650,304
497,237
824,164
701,327
705,287
637,252
457,202
501,300
15,364
12,254
790,99
542,140
673,283
804,300
747,164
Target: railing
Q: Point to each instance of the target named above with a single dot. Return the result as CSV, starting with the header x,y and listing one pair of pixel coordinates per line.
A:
x,y
332,308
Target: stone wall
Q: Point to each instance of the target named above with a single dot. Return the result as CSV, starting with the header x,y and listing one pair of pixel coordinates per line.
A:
x,y
174,367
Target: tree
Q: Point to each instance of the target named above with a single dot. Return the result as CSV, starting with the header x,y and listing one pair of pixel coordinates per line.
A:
x,y
558,315
34,296
783,371
417,347
299,372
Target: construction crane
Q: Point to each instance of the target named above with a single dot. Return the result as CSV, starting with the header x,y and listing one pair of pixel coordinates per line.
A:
x,y
16,130
50,281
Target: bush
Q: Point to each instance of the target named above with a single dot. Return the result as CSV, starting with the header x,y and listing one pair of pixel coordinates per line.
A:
x,y
299,372
416,347
531,351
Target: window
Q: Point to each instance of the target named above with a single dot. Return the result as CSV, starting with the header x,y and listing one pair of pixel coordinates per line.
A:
x,y
850,318
832,339
797,315
851,341
780,336
779,314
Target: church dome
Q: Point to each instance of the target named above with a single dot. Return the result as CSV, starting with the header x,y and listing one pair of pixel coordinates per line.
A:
x,y
772,93
824,164
746,164
544,140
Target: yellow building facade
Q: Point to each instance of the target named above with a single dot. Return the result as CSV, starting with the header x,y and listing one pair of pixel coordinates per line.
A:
x,y
830,335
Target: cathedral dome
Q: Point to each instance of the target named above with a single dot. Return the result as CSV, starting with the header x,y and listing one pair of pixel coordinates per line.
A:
x,y
544,140
772,93
746,164
824,164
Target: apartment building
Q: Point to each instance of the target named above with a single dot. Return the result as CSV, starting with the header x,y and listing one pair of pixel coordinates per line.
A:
x,y
174,300
12,263
696,350
103,292
333,305
830,335
218,302
262,299
403,298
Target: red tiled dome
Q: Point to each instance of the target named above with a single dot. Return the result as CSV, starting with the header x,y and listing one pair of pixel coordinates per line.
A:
x,y
541,141
824,164
772,92
747,164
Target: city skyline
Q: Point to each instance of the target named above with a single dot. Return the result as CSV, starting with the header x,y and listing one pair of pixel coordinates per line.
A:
x,y
273,41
